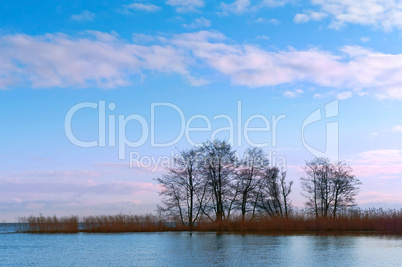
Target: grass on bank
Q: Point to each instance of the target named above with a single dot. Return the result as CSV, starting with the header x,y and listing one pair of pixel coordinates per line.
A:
x,y
375,221
52,224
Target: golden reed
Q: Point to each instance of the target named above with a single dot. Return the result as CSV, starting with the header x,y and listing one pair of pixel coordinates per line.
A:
x,y
372,221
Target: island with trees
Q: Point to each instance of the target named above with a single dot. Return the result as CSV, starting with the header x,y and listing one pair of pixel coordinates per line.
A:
x,y
212,188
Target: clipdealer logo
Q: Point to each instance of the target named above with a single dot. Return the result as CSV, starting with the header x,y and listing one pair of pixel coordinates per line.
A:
x,y
114,127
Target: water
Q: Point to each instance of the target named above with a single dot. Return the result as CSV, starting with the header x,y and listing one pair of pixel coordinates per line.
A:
x,y
162,249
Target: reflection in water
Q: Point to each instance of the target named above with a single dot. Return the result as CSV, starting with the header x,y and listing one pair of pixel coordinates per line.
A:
x,y
197,249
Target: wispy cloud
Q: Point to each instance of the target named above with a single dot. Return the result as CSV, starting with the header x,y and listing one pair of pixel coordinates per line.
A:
x,y
383,14
72,190
105,60
382,164
383,198
262,37
185,6
344,95
265,20
273,3
62,61
84,16
142,7
111,188
309,15
397,129
365,39
237,7
385,132
198,23
355,68
293,94
73,206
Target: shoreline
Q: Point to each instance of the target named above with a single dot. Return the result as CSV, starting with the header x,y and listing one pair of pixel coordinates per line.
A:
x,y
262,233
372,222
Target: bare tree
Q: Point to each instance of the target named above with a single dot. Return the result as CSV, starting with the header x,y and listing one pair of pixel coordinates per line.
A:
x,y
218,168
317,186
345,187
286,189
211,181
328,186
248,175
274,196
184,189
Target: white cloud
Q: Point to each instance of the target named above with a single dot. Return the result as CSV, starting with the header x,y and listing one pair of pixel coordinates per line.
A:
x,y
143,38
237,7
110,188
105,60
344,95
84,16
104,36
274,3
264,20
316,15
397,129
356,69
380,157
62,61
309,15
301,18
142,7
317,95
184,6
262,37
198,23
241,6
293,94
365,39
384,164
73,189
379,199
386,14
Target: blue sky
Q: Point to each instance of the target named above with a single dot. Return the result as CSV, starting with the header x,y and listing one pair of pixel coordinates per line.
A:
x,y
272,57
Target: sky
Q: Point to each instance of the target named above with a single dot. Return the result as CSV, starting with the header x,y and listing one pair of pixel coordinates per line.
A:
x,y
96,96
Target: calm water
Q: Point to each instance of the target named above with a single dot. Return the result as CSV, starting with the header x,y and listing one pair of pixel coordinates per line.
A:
x,y
162,249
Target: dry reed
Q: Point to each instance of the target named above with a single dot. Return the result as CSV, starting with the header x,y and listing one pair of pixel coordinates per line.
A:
x,y
372,221
53,224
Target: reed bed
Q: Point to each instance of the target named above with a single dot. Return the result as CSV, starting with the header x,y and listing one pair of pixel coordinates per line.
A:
x,y
52,224
372,221
124,223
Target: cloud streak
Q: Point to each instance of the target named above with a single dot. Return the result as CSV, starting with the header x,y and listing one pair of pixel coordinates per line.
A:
x,y
198,23
142,7
237,7
90,187
104,60
385,14
186,6
62,61
382,164
84,16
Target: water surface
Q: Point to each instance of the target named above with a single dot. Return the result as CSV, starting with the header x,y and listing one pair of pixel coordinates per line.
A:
x,y
161,249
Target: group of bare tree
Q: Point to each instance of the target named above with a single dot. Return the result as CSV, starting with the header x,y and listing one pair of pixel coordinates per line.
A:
x,y
212,182
328,187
